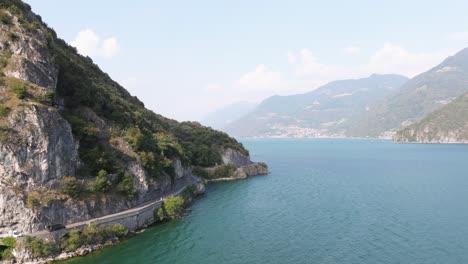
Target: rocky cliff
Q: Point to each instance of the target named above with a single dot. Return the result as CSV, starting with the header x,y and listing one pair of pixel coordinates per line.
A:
x,y
446,125
74,144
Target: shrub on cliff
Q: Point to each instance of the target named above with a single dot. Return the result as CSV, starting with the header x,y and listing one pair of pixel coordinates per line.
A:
x,y
70,186
72,241
125,185
46,98
92,235
40,247
100,185
32,201
4,110
117,230
7,245
19,88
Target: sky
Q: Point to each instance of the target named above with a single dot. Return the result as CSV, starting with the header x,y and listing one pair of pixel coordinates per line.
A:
x,y
184,59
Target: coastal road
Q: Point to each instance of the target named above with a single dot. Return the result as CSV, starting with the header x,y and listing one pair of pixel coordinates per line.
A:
x,y
111,217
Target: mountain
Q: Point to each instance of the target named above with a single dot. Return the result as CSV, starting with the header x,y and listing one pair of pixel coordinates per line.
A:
x,y
327,111
224,116
75,145
448,124
420,96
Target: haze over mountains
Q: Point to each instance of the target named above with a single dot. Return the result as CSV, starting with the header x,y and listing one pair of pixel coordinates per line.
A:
x,y
375,107
420,96
326,111
226,115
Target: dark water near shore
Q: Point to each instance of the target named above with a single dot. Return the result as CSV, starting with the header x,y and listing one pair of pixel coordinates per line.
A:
x,y
326,201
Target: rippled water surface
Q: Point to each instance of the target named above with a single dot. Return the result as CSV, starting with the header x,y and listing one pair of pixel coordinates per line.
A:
x,y
326,201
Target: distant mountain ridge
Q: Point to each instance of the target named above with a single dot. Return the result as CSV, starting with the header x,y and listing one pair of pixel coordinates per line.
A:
x,y
420,96
326,111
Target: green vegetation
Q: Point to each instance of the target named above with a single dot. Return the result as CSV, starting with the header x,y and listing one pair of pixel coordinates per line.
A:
x,y
221,171
20,89
92,235
116,230
101,184
159,214
42,197
155,139
70,186
188,192
40,247
171,208
201,172
93,152
263,164
32,201
125,185
226,170
46,98
101,113
72,242
7,245
4,110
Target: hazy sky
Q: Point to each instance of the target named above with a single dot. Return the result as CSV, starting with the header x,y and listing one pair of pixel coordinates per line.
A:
x,y
186,58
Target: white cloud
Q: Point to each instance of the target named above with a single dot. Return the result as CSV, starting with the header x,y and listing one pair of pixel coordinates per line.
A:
x,y
309,66
389,59
396,59
305,72
352,50
88,43
260,78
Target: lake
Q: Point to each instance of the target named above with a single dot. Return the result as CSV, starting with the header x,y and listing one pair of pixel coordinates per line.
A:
x,y
325,201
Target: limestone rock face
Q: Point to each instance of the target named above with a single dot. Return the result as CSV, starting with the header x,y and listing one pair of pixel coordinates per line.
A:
x,y
31,60
235,157
14,215
39,148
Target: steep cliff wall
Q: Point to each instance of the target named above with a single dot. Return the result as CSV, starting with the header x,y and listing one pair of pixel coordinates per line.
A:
x,y
74,144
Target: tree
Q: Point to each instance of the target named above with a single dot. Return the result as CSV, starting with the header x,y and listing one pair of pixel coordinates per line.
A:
x,y
70,186
173,206
125,185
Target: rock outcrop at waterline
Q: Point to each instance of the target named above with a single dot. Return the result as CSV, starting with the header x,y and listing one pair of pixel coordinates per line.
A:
x,y
74,144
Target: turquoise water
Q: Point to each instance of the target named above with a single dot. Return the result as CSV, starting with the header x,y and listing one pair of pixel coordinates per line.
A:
x,y
325,201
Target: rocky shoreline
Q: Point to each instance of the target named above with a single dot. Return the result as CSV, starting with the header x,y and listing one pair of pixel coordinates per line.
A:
x,y
88,249
244,172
